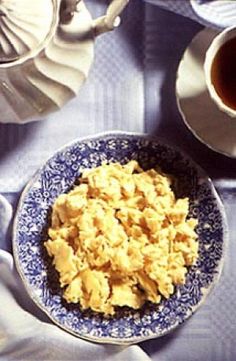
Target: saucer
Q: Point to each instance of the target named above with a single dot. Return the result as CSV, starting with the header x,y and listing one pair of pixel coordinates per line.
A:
x,y
211,126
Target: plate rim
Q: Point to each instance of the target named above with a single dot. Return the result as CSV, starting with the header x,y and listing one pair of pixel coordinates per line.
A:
x,y
134,339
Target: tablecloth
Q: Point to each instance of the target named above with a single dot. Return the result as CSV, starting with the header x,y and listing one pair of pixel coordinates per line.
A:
x,y
131,87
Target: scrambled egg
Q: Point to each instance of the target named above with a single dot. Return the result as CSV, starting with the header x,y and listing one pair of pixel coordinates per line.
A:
x,y
121,238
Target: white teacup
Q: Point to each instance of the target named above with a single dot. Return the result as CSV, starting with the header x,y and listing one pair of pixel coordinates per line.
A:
x,y
215,74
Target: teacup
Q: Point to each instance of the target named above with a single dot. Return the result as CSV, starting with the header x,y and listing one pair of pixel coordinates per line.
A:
x,y
220,70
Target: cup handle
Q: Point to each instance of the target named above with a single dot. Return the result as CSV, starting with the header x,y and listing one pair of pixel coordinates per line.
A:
x,y
111,19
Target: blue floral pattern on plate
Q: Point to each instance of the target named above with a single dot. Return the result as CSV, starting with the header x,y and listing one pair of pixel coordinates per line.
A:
x,y
58,176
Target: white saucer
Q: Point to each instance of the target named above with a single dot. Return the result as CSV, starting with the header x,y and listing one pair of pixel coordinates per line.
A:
x,y
201,115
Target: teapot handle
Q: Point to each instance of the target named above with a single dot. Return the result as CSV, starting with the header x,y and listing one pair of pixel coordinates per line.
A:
x,y
100,25
111,19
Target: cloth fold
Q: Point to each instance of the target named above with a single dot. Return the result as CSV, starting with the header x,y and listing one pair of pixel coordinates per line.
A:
x,y
26,334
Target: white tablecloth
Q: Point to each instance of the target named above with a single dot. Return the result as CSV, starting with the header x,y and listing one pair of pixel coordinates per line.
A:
x,y
130,87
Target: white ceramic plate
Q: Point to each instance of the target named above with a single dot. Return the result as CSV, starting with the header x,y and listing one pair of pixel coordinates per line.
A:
x,y
211,13
216,13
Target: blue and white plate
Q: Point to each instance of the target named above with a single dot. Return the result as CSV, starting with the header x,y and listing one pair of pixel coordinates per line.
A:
x,y
58,176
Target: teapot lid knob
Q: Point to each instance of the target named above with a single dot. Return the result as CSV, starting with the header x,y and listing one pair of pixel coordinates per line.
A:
x,y
24,26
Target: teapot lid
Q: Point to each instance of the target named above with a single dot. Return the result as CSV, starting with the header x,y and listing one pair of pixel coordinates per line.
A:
x,y
24,25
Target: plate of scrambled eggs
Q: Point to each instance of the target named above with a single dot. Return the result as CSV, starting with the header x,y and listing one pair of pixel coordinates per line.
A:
x,y
119,237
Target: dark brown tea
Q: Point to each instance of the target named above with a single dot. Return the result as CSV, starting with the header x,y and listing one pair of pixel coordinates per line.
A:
x,y
223,73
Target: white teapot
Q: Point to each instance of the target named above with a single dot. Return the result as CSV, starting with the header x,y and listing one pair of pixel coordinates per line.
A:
x,y
46,50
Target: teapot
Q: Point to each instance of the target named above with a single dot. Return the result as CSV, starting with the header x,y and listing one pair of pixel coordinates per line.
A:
x,y
46,51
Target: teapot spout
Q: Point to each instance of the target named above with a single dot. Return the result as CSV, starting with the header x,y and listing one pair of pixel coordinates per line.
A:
x,y
111,19
102,24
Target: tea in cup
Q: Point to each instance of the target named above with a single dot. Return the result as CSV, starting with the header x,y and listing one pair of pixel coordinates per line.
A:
x,y
220,70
